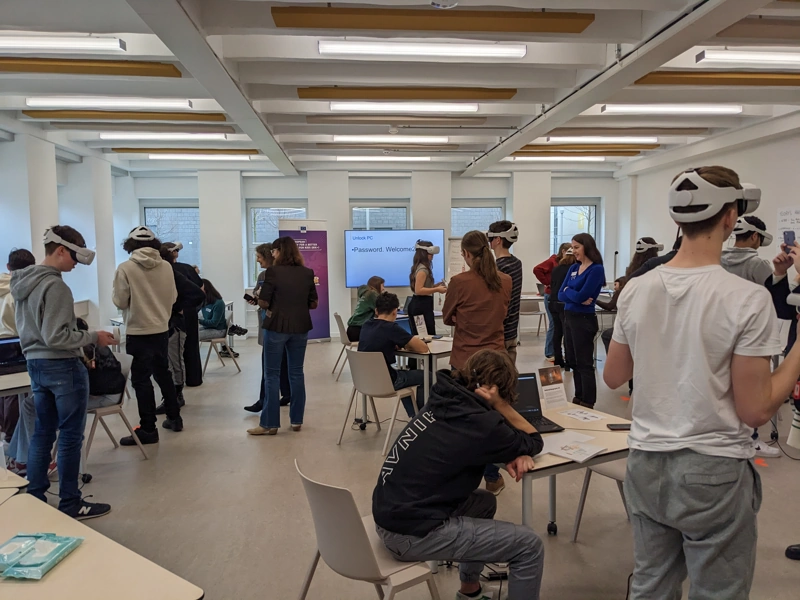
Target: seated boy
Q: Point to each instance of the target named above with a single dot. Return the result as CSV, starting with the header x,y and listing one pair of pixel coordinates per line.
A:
x,y
426,504
383,334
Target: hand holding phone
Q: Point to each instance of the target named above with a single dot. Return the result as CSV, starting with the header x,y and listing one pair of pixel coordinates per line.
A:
x,y
788,239
250,299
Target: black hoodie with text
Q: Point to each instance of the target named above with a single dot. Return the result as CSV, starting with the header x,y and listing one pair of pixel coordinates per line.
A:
x,y
438,459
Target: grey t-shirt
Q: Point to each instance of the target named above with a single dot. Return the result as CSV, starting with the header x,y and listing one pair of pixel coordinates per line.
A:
x,y
428,277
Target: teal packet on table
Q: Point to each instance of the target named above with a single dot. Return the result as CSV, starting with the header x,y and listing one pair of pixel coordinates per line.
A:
x,y
13,549
45,553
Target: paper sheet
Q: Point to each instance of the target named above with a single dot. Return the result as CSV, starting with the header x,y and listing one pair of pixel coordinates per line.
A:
x,y
557,440
581,415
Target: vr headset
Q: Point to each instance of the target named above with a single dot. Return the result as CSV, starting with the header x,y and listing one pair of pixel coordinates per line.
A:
x,y
742,227
78,254
709,196
512,235
428,249
642,246
141,234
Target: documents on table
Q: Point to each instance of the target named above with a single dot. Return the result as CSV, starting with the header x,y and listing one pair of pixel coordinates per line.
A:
x,y
571,445
581,415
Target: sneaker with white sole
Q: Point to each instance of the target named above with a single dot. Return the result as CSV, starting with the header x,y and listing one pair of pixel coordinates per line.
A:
x,y
765,451
483,595
91,510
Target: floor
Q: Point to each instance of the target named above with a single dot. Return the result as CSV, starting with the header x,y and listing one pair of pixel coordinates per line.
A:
x,y
227,511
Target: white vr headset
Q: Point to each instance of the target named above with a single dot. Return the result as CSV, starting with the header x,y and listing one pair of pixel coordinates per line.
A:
x,y
81,255
428,249
512,235
642,246
141,234
711,197
177,247
743,227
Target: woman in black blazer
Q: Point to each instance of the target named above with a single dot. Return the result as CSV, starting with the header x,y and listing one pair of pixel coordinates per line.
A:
x,y
288,295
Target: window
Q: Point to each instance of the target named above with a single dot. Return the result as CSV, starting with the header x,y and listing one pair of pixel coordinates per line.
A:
x,y
262,228
467,218
567,220
379,217
177,224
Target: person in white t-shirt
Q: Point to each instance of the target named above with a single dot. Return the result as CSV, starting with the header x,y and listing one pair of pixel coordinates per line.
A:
x,y
697,342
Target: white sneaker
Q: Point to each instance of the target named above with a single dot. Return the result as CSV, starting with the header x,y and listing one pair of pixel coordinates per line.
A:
x,y
766,451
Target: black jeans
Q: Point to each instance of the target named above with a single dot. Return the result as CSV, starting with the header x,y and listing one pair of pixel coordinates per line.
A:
x,y
421,305
558,334
151,359
580,331
353,333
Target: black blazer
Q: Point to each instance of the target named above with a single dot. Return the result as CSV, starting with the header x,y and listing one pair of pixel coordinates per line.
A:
x,y
290,293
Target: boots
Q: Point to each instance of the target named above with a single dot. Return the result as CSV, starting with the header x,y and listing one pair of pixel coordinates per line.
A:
x,y
161,409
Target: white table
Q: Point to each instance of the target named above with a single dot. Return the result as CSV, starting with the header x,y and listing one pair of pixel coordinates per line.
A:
x,y
436,349
548,465
6,494
12,481
98,569
15,383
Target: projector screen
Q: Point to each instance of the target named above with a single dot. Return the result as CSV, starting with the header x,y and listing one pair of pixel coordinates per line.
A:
x,y
388,254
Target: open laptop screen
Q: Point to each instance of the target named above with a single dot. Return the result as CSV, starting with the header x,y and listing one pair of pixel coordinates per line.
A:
x,y
528,390
11,351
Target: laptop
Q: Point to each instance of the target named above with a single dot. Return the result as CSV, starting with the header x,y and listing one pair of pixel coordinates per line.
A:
x,y
530,406
11,358
405,305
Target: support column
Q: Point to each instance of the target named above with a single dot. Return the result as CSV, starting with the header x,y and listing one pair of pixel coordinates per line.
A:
x,y
126,214
28,193
626,218
222,235
329,200
529,207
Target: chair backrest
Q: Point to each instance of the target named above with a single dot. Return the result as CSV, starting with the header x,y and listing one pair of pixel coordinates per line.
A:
x,y
342,329
526,305
125,361
370,374
341,538
540,287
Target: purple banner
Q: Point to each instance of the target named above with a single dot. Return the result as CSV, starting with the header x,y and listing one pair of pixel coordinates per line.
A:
x,y
313,245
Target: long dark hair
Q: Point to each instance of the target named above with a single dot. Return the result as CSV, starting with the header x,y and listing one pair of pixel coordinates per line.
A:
x,y
289,253
589,247
477,244
212,295
421,257
639,258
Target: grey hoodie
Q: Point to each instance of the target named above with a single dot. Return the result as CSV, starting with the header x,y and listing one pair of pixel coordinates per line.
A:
x,y
747,264
45,314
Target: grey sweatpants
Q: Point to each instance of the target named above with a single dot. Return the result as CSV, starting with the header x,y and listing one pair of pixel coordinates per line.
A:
x,y
692,514
471,537
177,366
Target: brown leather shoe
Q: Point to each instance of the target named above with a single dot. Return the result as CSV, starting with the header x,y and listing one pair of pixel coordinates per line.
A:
x,y
263,431
495,487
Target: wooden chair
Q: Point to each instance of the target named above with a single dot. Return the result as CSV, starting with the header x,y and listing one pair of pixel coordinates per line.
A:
x,y
345,344
221,342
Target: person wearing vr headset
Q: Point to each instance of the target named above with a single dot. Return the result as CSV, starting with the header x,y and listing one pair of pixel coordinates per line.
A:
x,y
646,249
52,344
698,342
742,259
502,234
423,287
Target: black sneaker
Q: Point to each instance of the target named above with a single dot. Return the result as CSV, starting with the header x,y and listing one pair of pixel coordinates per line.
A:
x,y
161,409
145,437
257,407
286,401
91,510
173,424
227,354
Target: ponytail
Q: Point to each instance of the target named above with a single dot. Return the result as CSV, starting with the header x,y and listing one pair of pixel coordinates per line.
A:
x,y
477,244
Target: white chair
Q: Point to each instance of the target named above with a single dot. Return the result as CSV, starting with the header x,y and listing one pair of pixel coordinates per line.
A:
x,y
221,342
125,362
349,544
613,470
531,308
371,378
348,344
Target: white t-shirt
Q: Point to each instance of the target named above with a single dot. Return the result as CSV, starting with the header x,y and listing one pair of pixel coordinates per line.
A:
x,y
683,327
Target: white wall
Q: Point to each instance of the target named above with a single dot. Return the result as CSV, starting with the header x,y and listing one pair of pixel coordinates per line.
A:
x,y
166,187
126,214
279,188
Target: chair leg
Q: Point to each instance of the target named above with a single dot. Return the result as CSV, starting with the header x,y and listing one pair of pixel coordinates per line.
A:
x,y
539,327
375,412
391,425
432,587
309,576
581,504
622,495
379,589
91,435
219,356
338,358
233,358
108,432
208,355
392,593
135,437
347,416
344,362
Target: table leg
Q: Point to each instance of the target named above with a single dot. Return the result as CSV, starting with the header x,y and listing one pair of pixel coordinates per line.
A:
x,y
426,381
364,413
527,501
552,528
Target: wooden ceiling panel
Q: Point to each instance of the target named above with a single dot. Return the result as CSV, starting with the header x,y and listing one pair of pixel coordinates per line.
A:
x,y
121,115
405,93
126,68
776,30
716,78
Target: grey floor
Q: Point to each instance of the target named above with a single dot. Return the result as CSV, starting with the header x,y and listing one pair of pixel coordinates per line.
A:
x,y
227,511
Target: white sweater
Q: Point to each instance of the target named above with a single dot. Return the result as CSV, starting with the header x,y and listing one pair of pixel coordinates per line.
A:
x,y
144,288
8,327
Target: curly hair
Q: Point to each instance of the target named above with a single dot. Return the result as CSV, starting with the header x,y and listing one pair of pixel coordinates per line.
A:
x,y
491,367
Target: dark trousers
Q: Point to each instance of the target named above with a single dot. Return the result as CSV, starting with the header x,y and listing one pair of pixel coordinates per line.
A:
x,y
558,335
354,333
151,359
580,331
421,305
286,392
191,350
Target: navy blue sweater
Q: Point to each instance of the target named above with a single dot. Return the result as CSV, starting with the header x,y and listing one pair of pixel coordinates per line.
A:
x,y
577,289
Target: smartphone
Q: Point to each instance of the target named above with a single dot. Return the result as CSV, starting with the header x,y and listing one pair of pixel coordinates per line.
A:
x,y
788,239
249,298
619,426
438,337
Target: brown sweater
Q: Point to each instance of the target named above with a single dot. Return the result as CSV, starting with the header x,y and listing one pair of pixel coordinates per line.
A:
x,y
477,314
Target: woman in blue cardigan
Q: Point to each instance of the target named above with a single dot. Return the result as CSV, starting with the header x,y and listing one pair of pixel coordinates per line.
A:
x,y
579,293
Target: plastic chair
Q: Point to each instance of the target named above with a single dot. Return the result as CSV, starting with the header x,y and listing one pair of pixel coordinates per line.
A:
x,y
613,470
531,308
371,378
349,544
540,288
216,343
125,362
348,344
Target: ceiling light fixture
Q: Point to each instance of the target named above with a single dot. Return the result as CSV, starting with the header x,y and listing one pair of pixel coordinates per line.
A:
x,y
383,159
602,139
440,50
404,107
228,157
23,44
558,158
162,137
391,139
749,56
672,109
100,102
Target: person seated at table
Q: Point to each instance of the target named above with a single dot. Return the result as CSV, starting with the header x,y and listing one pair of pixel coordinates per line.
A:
x,y
365,308
213,324
611,305
426,504
383,334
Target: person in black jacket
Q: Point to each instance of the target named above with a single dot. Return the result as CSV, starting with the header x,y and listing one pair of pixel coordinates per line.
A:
x,y
557,276
427,505
658,260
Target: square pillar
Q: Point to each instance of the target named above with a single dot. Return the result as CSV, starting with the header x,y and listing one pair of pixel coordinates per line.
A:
x,y
529,207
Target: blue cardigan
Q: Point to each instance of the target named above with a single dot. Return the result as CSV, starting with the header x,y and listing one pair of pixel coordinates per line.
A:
x,y
577,289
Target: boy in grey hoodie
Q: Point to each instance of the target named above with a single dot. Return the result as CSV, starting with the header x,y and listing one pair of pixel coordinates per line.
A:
x,y
743,259
51,342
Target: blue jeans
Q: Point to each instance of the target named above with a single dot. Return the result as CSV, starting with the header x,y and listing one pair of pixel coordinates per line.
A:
x,y
411,378
491,473
294,344
548,339
60,393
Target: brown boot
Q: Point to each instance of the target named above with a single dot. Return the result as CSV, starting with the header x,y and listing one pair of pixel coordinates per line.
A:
x,y
495,487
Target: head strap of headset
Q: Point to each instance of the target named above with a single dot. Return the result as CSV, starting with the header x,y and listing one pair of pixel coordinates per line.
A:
x,y
428,249
742,227
642,246
511,235
78,253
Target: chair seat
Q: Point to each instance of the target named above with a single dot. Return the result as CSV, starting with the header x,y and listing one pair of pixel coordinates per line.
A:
x,y
389,566
401,392
614,469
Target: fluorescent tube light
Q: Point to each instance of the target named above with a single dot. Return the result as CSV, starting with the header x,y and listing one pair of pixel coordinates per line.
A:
x,y
602,139
558,158
354,48
405,107
749,56
100,102
391,139
162,137
383,159
229,157
672,109
26,43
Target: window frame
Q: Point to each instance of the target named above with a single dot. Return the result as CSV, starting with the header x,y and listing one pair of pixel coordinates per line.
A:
x,y
145,203
477,203
292,203
381,203
595,201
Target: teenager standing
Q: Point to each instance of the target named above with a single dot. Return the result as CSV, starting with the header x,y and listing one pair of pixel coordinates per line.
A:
x,y
544,273
502,234
423,287
557,278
